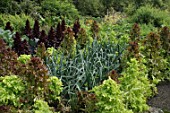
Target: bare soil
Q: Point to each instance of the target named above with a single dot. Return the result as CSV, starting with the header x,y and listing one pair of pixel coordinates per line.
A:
x,y
162,99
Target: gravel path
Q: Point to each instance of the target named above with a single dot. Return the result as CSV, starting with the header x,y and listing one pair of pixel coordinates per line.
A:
x,y
162,99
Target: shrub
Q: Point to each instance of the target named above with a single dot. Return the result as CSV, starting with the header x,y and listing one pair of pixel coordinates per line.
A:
x,y
85,102
51,38
86,7
133,49
8,60
95,30
147,28
147,14
11,90
5,6
29,8
136,86
59,8
55,88
83,39
35,75
165,39
24,58
41,106
68,45
20,47
155,62
109,97
17,21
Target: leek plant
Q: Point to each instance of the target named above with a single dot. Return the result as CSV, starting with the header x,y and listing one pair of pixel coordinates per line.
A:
x,y
88,68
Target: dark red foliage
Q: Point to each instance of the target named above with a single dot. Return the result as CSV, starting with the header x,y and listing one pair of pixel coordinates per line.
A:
x,y
153,42
135,33
43,38
165,40
133,50
35,74
20,47
8,26
59,34
27,30
5,109
25,47
95,29
83,100
114,76
133,47
76,28
8,60
63,25
51,38
17,43
36,30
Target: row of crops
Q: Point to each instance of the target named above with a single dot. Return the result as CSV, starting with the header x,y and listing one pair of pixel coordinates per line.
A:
x,y
83,67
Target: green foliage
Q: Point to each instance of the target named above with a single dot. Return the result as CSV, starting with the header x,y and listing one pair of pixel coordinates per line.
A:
x,y
147,14
24,58
102,58
42,52
68,45
101,7
136,86
55,88
83,38
147,28
29,7
59,8
51,50
95,30
117,33
133,47
5,4
11,90
17,21
110,99
41,106
87,7
7,36
116,5
19,6
87,69
154,59
165,39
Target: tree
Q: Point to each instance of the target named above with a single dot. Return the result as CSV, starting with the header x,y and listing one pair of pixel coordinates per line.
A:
x,y
59,8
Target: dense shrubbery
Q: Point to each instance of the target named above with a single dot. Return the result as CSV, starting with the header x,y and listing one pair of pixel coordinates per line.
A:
x,y
151,15
110,99
16,21
59,8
